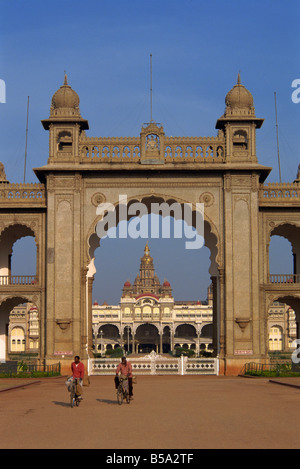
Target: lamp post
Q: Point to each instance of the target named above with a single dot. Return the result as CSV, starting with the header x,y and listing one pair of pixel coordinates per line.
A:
x,y
101,335
128,328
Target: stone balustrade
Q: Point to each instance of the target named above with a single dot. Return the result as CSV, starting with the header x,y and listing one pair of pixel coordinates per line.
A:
x,y
279,193
284,279
13,280
175,150
25,194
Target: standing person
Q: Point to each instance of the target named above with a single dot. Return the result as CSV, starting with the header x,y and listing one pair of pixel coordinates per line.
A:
x,y
125,368
78,372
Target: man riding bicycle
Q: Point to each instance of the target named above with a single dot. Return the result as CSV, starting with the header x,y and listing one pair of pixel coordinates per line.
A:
x,y
78,372
125,369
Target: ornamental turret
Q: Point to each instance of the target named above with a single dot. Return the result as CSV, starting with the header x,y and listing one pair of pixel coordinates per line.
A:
x,y
239,125
65,125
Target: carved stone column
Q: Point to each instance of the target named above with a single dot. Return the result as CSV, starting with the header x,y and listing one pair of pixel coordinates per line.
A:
x,y
222,342
214,280
161,339
133,340
90,281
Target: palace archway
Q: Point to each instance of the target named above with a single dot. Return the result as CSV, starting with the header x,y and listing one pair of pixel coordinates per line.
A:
x,y
241,212
168,208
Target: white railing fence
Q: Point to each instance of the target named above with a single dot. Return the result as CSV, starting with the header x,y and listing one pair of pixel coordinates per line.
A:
x,y
154,364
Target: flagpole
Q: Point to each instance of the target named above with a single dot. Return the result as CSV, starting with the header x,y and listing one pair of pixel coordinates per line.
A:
x,y
277,138
26,140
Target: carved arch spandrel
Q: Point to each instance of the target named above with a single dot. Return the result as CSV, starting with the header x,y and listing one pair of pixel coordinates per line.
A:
x,y
91,234
273,225
33,229
270,298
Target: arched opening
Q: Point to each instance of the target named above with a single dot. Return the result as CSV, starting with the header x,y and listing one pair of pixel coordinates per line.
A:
x,y
147,338
19,329
289,331
185,332
17,340
284,267
276,339
166,339
189,271
107,337
127,339
207,331
18,256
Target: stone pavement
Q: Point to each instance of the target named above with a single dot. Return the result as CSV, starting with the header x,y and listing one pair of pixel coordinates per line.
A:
x,y
168,412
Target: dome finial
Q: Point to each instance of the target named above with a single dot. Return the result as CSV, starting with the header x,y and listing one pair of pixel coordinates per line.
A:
x,y
239,78
66,78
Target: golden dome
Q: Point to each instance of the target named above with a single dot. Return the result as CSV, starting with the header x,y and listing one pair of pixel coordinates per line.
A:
x,y
239,99
147,258
65,98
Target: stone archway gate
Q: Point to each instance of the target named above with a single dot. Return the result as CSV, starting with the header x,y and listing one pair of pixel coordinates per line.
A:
x,y
222,172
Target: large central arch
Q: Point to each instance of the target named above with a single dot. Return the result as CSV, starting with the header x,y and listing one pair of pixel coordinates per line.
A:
x,y
211,237
211,241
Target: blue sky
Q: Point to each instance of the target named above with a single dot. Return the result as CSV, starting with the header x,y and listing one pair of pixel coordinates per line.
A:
x,y
198,48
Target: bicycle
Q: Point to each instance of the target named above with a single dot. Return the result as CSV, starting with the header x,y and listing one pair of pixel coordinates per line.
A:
x,y
73,396
123,391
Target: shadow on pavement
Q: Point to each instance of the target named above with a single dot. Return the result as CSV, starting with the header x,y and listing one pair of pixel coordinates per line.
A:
x,y
107,401
62,404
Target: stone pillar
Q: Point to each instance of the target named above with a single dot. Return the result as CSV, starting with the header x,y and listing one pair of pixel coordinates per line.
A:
x,y
133,340
222,342
215,338
171,339
198,342
66,324
89,319
242,320
95,329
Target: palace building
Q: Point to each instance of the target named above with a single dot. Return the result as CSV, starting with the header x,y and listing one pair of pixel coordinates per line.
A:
x,y
148,318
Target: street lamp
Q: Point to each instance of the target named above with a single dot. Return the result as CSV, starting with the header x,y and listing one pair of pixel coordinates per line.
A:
x,y
128,328
101,335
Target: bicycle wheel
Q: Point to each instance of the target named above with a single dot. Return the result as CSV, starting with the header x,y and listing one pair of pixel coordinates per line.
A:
x,y
120,395
72,398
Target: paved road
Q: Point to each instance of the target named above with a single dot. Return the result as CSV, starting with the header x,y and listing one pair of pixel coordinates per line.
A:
x,y
168,412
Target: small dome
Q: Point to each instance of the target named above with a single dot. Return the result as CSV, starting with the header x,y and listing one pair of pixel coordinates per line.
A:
x,y
166,283
127,284
65,98
239,98
96,303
